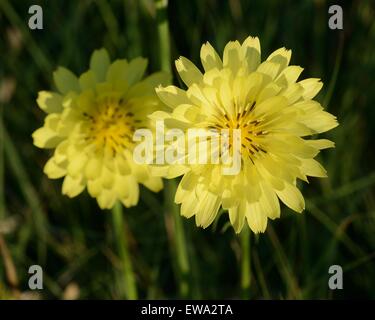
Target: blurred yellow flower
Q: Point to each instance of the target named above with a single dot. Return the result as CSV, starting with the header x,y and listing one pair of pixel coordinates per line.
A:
x,y
273,112
90,124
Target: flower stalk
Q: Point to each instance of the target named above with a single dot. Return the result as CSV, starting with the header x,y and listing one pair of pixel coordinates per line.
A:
x,y
178,238
180,249
163,32
245,263
129,288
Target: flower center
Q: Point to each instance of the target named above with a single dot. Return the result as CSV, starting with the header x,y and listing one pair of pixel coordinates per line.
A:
x,y
251,131
111,126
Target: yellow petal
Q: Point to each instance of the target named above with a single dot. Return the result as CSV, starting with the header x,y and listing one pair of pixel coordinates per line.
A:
x,y
93,168
87,80
188,181
99,64
155,184
76,164
208,207
321,143
275,182
174,123
270,106
289,75
176,171
94,187
136,70
313,168
314,117
281,57
254,84
86,101
73,186
186,112
237,216
226,98
251,52
46,138
269,68
159,170
52,121
232,56
240,92
284,144
213,77
107,178
201,96
293,92
159,115
49,102
106,199
189,205
256,219
292,197
209,57
60,154
172,96
321,122
252,179
117,71
269,91
65,80
147,86
188,72
269,203
158,78
311,87
140,172
133,195
277,168
229,200
122,166
121,187
54,170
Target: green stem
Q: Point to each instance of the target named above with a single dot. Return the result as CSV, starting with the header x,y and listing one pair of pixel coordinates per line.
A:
x,y
170,188
30,194
178,239
2,190
245,263
129,287
110,20
2,193
163,31
332,82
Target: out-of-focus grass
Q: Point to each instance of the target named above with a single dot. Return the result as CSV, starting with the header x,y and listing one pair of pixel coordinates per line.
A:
x,y
292,258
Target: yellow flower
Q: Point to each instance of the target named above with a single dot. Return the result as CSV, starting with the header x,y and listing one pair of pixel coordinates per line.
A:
x,y
90,124
273,112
